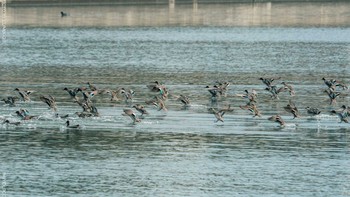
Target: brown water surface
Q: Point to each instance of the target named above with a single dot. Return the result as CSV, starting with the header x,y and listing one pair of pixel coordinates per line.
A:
x,y
229,14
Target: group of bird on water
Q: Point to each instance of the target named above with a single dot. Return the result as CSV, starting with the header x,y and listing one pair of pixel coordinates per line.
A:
x,y
83,97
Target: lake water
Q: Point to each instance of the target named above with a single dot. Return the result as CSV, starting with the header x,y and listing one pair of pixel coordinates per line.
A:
x,y
180,152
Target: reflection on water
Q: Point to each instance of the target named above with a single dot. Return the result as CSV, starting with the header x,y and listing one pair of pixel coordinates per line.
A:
x,y
181,152
230,14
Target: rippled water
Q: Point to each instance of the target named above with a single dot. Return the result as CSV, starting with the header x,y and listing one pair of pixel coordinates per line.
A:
x,y
181,152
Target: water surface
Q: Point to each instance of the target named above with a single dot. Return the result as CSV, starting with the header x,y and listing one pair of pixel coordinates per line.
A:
x,y
181,152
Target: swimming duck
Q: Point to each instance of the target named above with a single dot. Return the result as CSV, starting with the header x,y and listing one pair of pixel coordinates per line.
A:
x,y
72,126
84,114
24,114
7,122
61,116
278,119
312,111
63,14
131,114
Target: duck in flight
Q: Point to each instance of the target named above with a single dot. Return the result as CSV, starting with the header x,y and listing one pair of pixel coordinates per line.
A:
x,y
131,114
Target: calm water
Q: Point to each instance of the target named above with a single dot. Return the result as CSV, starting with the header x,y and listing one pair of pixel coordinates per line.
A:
x,y
181,152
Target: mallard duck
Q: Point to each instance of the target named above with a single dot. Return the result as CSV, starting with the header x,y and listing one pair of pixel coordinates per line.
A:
x,y
154,86
312,111
140,108
331,83
278,119
50,101
268,81
158,102
128,95
291,108
10,100
342,85
131,114
222,87
343,113
184,100
332,95
274,91
92,87
24,114
251,95
251,106
73,92
114,94
24,94
289,87
219,114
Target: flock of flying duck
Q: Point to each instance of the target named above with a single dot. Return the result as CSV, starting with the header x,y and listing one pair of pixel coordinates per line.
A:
x,y
334,90
82,96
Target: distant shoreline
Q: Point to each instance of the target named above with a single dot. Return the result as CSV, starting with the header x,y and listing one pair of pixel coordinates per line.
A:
x,y
286,14
147,2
